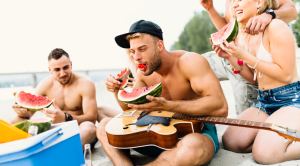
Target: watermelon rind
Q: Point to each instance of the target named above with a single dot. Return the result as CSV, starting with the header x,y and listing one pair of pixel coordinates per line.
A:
x,y
39,119
154,90
42,126
234,32
32,107
228,34
123,77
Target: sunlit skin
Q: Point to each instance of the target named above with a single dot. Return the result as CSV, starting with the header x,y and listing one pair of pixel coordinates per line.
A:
x,y
189,86
72,94
61,69
286,12
137,51
278,41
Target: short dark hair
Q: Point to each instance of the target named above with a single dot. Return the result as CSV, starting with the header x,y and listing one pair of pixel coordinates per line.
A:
x,y
57,53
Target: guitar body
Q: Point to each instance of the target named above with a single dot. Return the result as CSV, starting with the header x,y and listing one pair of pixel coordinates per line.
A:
x,y
164,129
123,133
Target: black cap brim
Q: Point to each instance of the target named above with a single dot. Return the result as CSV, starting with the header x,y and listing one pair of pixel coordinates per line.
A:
x,y
122,41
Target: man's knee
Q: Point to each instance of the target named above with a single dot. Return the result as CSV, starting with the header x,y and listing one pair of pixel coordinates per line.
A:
x,y
195,149
101,128
87,127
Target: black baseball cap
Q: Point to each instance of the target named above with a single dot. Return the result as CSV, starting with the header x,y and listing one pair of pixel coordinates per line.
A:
x,y
141,26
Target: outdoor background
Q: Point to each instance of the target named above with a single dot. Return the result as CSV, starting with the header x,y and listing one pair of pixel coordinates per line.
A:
x,y
86,29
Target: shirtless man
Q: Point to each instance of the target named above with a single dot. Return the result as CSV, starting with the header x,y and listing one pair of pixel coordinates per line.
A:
x,y
74,95
189,86
244,92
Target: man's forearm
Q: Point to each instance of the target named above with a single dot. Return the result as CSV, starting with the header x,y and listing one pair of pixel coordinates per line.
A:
x,y
121,104
286,12
206,106
83,118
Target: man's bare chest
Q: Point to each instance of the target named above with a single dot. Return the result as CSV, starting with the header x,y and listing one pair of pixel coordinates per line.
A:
x,y
66,99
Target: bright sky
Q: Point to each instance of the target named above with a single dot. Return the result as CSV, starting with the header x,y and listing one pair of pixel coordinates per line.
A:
x,y
30,29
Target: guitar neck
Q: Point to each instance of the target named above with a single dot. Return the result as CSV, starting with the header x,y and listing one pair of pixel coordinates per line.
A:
x,y
226,121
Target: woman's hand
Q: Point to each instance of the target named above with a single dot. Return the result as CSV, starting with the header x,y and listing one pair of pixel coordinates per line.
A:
x,y
232,49
221,53
155,104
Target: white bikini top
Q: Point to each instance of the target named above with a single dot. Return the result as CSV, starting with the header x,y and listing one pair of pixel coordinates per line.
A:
x,y
264,55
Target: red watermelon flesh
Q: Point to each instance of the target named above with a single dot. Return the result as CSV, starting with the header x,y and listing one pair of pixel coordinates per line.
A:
x,y
31,101
228,33
123,74
142,67
138,95
123,77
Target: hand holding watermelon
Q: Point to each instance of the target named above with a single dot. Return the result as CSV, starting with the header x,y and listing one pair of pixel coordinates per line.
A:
x,y
154,104
26,103
123,80
232,49
221,53
55,113
21,111
112,84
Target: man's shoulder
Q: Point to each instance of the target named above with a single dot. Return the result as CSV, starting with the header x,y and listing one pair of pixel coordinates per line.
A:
x,y
47,81
191,57
82,79
191,61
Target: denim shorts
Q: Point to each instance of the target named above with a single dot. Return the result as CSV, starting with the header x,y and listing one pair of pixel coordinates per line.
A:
x,y
271,100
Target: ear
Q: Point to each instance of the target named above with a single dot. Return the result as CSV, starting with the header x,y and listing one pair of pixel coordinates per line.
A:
x,y
49,69
160,45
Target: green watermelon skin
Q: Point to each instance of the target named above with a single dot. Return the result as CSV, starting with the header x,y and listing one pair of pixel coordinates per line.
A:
x,y
225,33
124,77
235,32
142,99
42,126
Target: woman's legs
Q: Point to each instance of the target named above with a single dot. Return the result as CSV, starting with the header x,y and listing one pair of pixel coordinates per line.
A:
x,y
269,147
240,139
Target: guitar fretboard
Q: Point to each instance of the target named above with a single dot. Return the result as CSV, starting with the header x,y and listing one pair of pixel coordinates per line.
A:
x,y
225,121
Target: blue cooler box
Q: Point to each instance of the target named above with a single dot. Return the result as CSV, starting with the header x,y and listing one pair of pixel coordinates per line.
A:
x,y
59,146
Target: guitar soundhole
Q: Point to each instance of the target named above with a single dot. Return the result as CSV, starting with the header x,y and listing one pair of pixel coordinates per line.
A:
x,y
125,127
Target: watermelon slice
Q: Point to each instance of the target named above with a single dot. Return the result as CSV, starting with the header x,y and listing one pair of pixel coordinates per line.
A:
x,y
138,95
32,102
228,33
124,77
39,119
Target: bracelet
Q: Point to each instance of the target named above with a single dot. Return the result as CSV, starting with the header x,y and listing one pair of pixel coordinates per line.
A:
x,y
235,71
255,65
240,62
68,117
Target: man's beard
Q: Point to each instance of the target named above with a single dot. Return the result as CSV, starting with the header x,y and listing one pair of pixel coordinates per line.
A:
x,y
65,80
154,65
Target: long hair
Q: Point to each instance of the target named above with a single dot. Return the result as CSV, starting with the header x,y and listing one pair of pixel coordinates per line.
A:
x,y
263,5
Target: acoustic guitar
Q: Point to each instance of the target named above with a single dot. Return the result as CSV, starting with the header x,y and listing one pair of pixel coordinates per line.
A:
x,y
132,129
